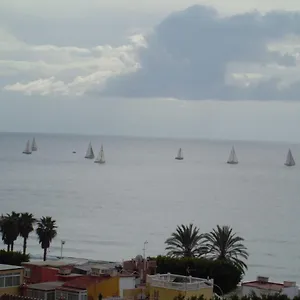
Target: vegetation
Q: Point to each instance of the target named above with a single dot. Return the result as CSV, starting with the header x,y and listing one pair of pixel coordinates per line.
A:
x,y
22,224
250,297
182,297
26,223
46,231
186,241
13,258
225,274
221,244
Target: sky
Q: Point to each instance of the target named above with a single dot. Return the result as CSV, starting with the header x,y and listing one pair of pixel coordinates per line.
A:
x,y
195,69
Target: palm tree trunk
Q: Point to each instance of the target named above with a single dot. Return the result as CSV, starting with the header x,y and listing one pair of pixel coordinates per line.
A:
x,y
45,254
12,247
24,245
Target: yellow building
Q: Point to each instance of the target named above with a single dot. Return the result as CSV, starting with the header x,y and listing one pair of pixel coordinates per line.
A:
x,y
11,278
168,286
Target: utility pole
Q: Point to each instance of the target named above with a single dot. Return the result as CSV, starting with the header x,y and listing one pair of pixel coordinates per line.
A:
x,y
62,242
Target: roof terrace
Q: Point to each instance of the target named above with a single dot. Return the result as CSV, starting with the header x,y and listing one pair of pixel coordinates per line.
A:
x,y
178,282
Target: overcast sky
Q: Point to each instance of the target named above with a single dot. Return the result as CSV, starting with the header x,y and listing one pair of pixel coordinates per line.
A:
x,y
153,68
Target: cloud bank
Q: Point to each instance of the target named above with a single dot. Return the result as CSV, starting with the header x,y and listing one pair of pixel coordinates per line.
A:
x,y
193,54
196,54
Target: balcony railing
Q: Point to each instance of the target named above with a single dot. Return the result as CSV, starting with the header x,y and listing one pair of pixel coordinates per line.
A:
x,y
167,281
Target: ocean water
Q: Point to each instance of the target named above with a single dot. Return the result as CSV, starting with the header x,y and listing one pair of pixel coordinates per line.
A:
x,y
106,212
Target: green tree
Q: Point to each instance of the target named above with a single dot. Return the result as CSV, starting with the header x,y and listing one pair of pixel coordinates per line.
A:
x,y
10,229
46,231
225,245
26,223
13,258
226,276
186,241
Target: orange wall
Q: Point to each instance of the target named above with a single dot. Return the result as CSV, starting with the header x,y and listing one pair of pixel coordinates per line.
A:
x,y
108,288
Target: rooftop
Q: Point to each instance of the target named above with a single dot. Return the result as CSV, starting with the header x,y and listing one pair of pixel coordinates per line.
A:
x,y
82,283
45,286
271,286
9,267
178,282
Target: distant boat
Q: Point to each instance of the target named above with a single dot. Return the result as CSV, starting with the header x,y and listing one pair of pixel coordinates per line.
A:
x,y
74,152
100,158
290,159
89,152
33,145
232,157
27,148
179,155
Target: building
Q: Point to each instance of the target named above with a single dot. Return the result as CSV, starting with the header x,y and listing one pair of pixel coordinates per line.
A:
x,y
88,287
141,266
168,286
44,290
48,271
262,286
11,278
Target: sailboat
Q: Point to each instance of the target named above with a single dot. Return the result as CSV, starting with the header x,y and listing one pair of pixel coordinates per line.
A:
x,y
33,145
27,149
290,159
100,158
179,155
90,153
232,157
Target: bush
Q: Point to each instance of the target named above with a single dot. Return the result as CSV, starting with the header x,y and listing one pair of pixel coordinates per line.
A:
x,y
14,258
226,276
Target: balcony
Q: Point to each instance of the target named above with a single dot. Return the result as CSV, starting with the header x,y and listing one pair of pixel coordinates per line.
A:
x,y
178,282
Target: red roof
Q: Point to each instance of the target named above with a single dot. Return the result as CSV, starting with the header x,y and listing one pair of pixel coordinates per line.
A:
x,y
82,283
271,286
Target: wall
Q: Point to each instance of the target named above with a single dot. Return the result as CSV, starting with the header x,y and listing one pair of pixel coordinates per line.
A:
x,y
291,291
169,294
135,293
40,274
126,283
206,292
247,290
15,290
108,288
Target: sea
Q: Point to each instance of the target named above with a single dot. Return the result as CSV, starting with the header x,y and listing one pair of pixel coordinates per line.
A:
x,y
107,212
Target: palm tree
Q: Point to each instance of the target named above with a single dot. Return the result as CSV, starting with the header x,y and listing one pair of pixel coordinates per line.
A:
x,y
26,223
224,244
186,241
10,229
46,231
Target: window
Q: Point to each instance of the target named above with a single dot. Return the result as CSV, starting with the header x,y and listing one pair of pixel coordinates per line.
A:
x,y
156,295
1,281
50,296
83,296
10,279
73,296
27,272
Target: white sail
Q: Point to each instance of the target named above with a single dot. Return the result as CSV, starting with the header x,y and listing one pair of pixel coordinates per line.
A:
x,y
33,145
290,159
100,158
27,149
179,155
232,157
90,153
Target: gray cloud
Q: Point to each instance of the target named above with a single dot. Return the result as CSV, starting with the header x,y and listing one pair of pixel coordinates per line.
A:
x,y
189,54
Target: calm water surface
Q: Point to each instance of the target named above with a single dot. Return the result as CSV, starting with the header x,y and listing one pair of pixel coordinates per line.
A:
x,y
141,193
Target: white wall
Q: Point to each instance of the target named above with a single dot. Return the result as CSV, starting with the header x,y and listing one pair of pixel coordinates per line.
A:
x,y
247,290
126,283
291,292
